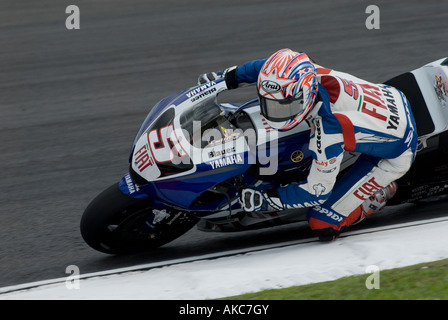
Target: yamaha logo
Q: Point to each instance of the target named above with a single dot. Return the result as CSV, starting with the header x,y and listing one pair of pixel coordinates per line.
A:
x,y
297,156
270,86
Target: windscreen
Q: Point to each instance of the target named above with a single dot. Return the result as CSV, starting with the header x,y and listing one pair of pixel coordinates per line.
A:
x,y
205,124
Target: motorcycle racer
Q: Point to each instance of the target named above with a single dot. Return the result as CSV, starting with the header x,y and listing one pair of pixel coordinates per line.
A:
x,y
344,113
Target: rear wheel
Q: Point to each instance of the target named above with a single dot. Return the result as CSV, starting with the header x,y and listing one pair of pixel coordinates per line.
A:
x,y
114,223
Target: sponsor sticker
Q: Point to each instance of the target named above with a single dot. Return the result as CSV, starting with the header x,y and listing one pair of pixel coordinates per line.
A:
x,y
297,156
270,86
441,89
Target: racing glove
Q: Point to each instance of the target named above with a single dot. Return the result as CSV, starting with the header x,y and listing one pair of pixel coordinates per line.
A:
x,y
229,74
255,200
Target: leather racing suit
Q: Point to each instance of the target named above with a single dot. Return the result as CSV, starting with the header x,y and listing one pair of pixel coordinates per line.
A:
x,y
354,115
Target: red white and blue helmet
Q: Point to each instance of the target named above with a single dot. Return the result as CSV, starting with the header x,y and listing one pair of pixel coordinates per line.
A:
x,y
287,88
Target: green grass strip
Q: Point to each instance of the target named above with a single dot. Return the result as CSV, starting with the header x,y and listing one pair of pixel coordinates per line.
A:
x,y
426,281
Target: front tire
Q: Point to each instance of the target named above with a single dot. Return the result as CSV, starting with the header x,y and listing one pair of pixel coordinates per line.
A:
x,y
113,223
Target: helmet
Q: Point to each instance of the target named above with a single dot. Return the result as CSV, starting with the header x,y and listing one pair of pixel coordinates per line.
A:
x,y
287,88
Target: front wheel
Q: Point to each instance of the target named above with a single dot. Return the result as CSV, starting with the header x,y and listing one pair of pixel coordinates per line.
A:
x,y
115,223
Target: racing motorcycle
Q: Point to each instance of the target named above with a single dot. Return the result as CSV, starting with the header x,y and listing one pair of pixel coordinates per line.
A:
x,y
193,155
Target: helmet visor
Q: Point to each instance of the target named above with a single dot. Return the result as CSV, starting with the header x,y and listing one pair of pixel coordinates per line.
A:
x,y
281,110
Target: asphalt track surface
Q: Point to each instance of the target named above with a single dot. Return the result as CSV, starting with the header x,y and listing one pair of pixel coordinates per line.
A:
x,y
72,101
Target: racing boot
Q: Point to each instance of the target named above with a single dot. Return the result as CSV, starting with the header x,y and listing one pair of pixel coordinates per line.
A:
x,y
377,201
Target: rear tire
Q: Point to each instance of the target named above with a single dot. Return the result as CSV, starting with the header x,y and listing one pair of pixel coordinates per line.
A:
x,y
113,223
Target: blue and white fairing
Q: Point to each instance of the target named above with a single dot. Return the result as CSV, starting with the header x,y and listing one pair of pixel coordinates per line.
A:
x,y
187,145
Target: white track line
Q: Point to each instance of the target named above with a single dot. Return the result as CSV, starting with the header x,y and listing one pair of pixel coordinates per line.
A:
x,y
214,255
